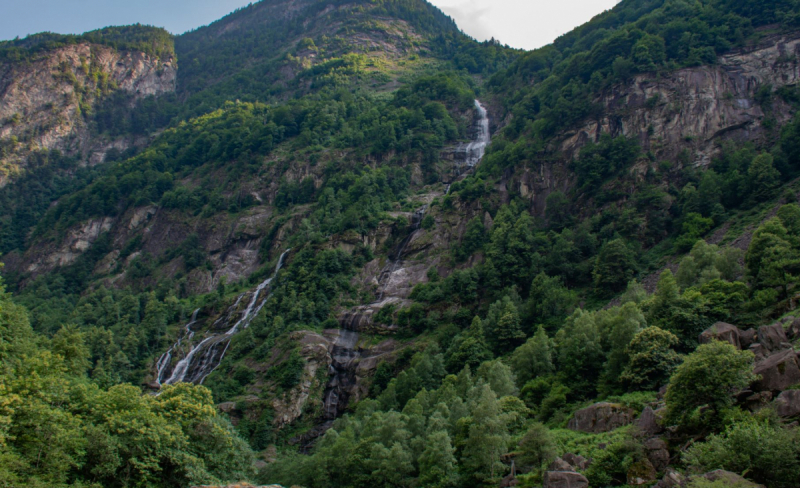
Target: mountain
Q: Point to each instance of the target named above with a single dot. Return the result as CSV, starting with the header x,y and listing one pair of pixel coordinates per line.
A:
x,y
340,243
49,84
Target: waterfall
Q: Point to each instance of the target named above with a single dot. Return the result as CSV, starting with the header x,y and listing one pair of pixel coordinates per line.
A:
x,y
472,153
386,274
344,352
166,358
344,358
203,358
477,148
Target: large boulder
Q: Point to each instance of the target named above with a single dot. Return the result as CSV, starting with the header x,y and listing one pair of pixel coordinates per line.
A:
x,y
778,371
657,452
788,403
601,417
576,461
564,479
641,473
721,331
730,479
747,337
560,465
671,479
773,337
793,332
648,422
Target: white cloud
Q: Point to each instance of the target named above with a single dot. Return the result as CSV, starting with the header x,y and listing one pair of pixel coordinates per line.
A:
x,y
526,24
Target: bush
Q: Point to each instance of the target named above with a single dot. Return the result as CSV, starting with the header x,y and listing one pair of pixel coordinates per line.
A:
x,y
703,387
767,453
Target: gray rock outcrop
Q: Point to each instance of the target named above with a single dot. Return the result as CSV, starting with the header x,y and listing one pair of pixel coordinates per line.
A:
x,y
778,371
788,403
601,417
773,337
721,331
564,479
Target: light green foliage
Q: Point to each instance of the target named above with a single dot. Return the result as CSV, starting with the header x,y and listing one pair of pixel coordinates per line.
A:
x,y
437,463
579,352
502,325
764,451
651,359
534,358
694,227
773,258
469,348
707,262
499,378
702,388
510,251
488,437
618,326
610,466
537,447
56,427
680,314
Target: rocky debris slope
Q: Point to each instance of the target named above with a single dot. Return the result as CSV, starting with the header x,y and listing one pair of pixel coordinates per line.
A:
x,y
43,103
777,363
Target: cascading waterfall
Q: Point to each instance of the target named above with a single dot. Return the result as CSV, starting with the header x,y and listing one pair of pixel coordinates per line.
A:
x,y
472,153
343,359
203,358
344,352
416,222
166,358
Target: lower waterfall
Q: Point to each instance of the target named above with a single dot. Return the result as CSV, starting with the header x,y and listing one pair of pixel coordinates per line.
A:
x,y
203,358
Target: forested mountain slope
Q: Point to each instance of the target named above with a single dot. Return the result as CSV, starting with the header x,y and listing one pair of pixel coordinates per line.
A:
x,y
393,256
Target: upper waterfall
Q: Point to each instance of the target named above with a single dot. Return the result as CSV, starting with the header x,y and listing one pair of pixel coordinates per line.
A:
x,y
477,148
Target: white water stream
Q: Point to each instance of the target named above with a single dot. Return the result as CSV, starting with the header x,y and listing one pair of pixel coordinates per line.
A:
x,y
193,368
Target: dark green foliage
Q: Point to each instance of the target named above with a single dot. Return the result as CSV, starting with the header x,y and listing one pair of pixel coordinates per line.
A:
x,y
615,267
652,359
702,388
612,465
598,162
762,448
289,372
25,200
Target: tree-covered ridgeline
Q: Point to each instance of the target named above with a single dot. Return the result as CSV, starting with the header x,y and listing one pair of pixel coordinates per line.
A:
x,y
154,41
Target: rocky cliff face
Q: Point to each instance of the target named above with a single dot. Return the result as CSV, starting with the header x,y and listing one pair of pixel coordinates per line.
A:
x,y
43,103
695,109
683,116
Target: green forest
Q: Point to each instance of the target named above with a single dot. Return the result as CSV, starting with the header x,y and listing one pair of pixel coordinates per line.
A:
x,y
603,300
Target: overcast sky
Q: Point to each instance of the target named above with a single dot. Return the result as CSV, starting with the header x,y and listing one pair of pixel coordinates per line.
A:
x,y
524,24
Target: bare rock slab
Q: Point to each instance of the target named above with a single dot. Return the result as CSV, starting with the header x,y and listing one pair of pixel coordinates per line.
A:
x,y
601,417
778,372
564,479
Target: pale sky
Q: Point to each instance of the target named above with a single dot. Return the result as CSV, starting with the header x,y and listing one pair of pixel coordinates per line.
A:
x,y
526,24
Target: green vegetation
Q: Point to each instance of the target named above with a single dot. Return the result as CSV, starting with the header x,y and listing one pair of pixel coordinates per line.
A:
x,y
154,41
283,137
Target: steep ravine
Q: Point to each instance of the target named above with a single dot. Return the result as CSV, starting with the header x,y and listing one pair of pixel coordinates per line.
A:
x,y
393,286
